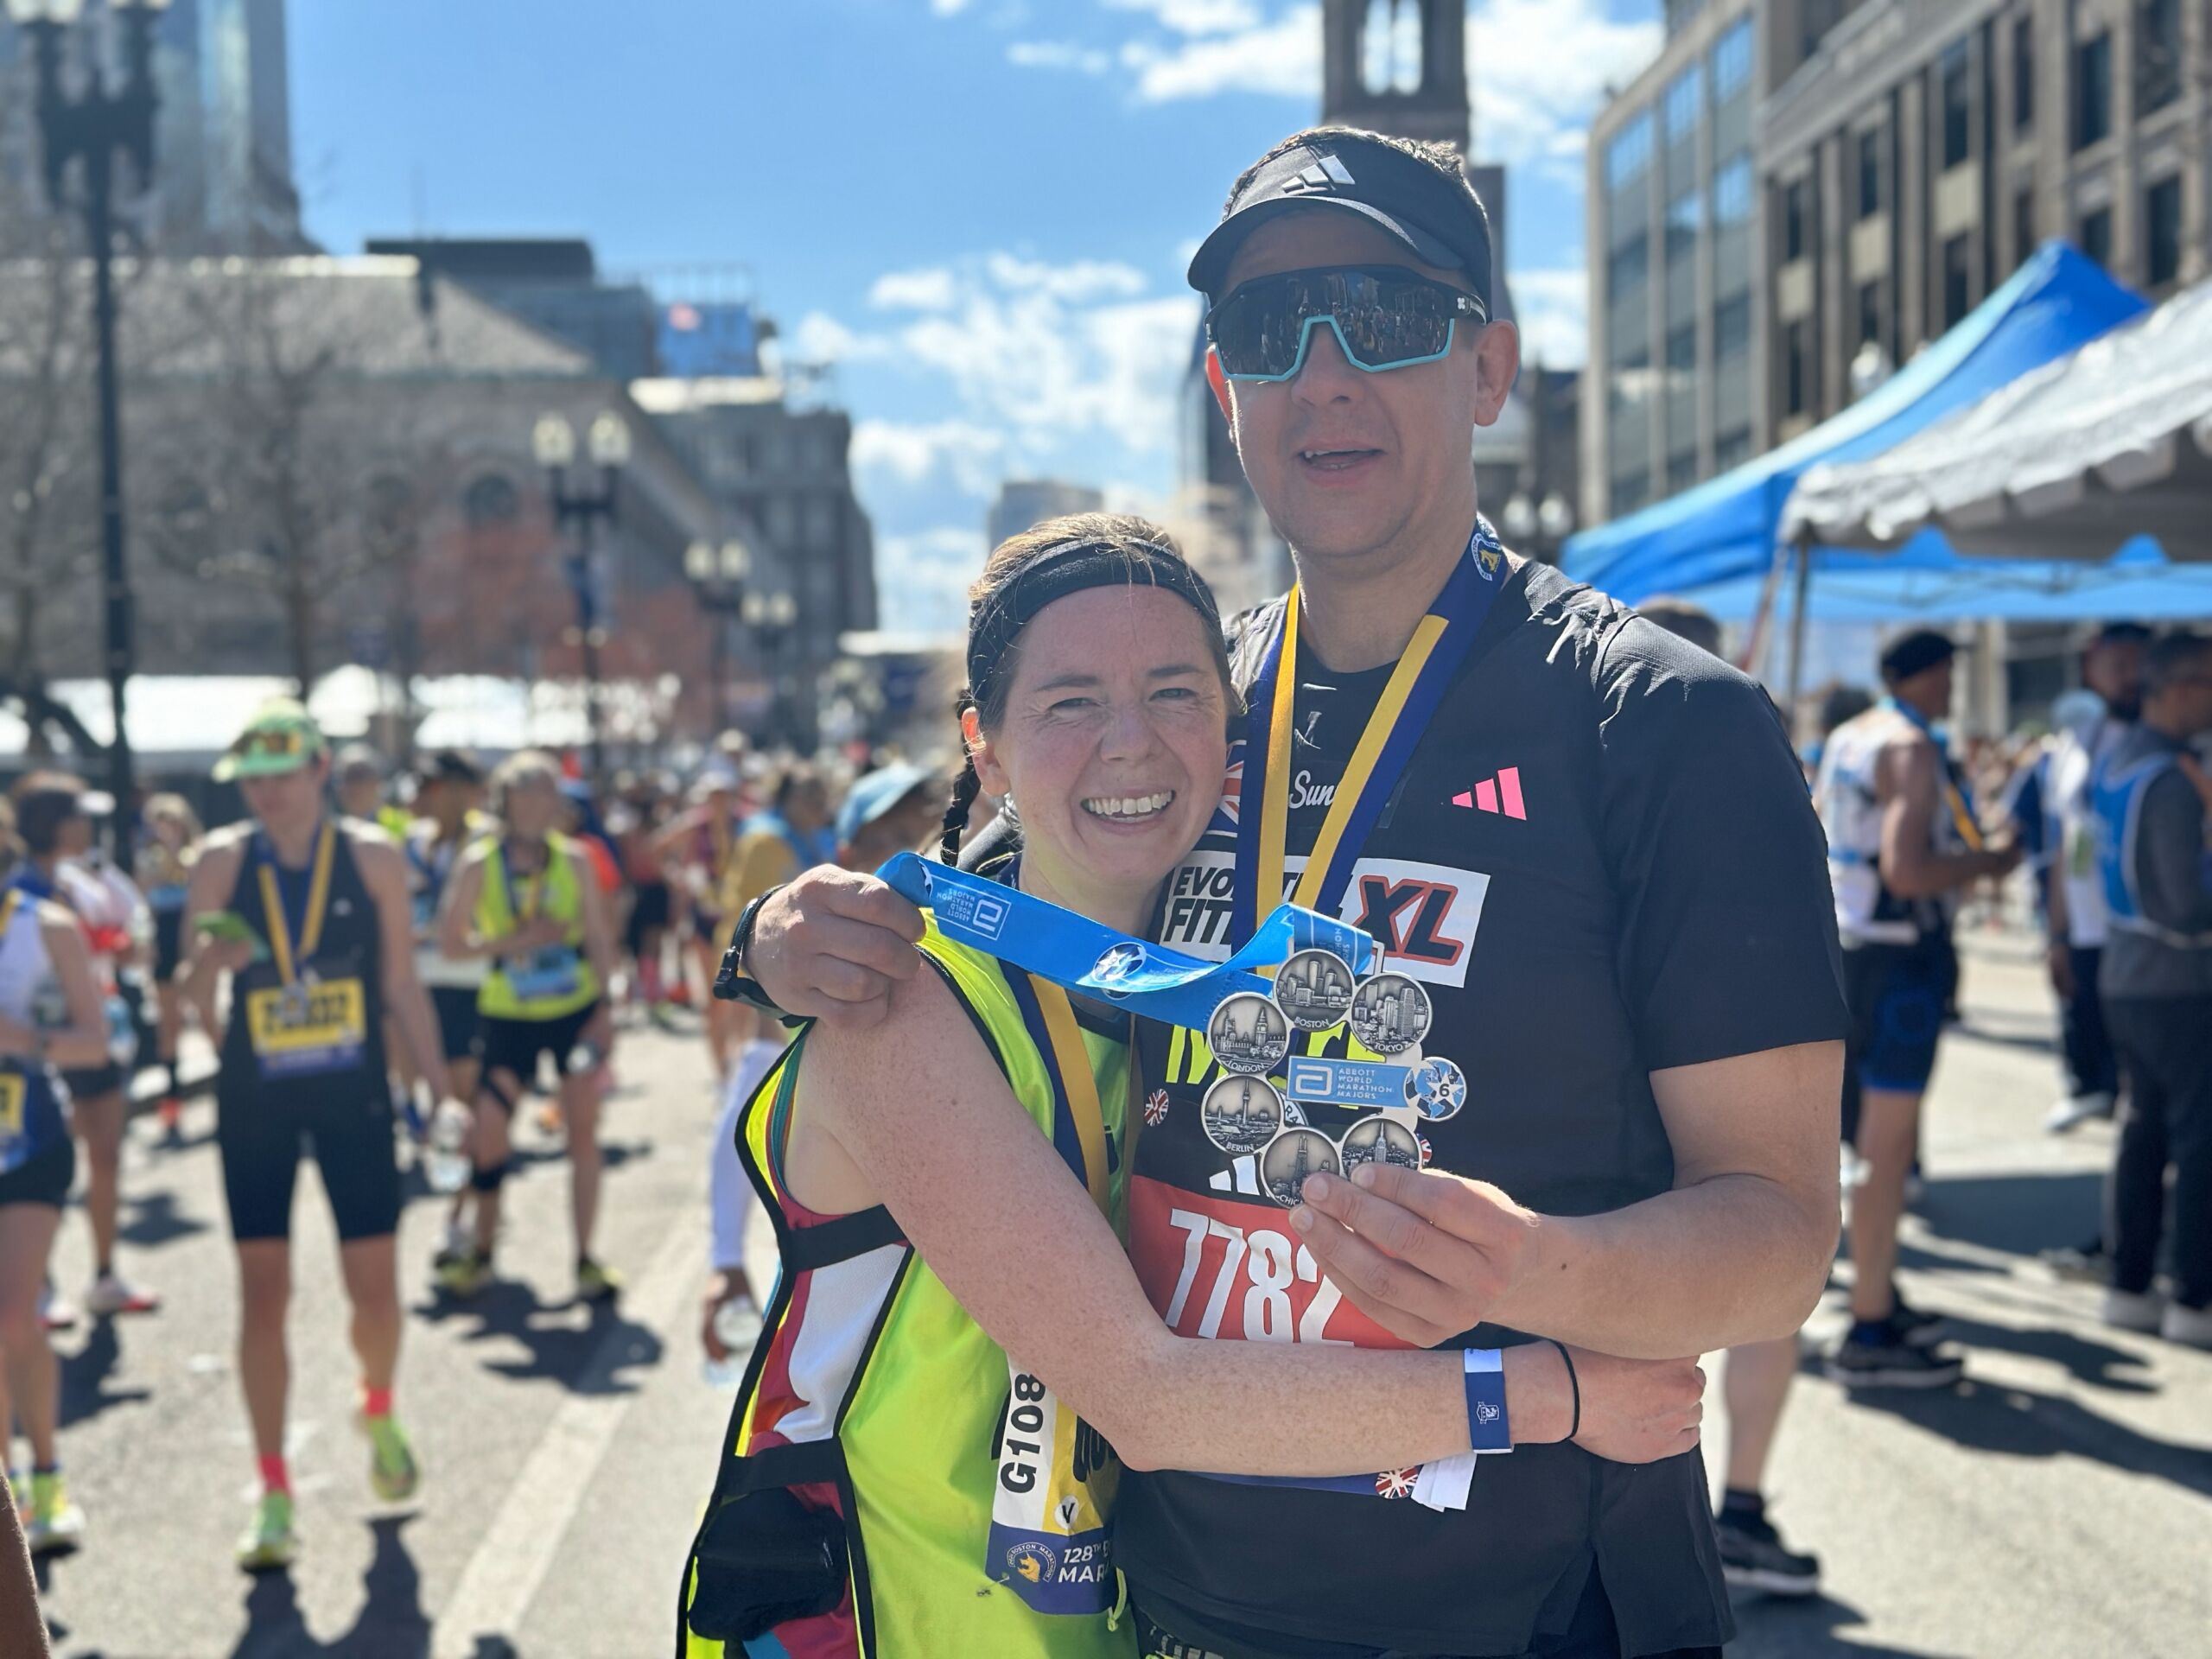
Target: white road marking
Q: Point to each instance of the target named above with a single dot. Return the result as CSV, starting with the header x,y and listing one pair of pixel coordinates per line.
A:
x,y
503,1577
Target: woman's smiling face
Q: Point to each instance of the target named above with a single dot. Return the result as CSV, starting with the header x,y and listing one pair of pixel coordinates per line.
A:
x,y
1113,742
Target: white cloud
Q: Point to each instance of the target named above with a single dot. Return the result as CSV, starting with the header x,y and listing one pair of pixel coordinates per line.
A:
x,y
947,7
1075,285
927,290
1552,307
1195,17
1281,57
1059,55
911,453
1540,69
924,577
820,338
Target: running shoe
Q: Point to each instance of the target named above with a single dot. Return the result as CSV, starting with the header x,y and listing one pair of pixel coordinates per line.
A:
x,y
268,1542
394,1475
595,1282
663,1015
111,1294
549,1117
2073,1112
462,1273
53,1525
2080,1262
1915,1328
56,1311
1892,1364
2189,1326
1753,1557
169,1112
2133,1310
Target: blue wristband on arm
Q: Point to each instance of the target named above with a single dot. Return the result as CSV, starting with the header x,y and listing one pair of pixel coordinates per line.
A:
x,y
1487,1427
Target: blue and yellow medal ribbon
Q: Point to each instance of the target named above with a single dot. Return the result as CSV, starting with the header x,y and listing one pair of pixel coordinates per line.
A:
x,y
1078,1122
282,950
1957,800
1430,663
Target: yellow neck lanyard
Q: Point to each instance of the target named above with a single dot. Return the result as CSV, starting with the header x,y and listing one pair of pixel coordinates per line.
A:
x,y
1071,1059
281,948
1274,800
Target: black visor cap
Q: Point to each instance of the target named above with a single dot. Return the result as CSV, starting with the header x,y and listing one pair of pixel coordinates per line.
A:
x,y
1440,220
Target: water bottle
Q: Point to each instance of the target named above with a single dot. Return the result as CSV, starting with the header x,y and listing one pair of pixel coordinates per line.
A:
x,y
445,1161
737,1324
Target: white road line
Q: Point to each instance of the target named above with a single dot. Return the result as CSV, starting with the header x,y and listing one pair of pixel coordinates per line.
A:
x,y
503,1577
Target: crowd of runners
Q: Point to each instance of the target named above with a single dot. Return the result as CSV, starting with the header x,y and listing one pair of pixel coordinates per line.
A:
x,y
387,966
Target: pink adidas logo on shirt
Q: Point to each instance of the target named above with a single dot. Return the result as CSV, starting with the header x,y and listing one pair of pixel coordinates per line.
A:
x,y
1498,794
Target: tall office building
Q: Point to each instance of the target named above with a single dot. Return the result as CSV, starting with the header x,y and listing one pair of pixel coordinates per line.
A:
x,y
1797,195
223,176
1024,502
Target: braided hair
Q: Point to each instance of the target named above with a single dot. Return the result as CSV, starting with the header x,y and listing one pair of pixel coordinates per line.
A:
x,y
965,788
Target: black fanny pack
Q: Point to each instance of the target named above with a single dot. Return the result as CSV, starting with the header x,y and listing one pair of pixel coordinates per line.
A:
x,y
764,1559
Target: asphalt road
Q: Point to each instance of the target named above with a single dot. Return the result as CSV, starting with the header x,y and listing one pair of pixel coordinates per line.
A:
x,y
2057,1504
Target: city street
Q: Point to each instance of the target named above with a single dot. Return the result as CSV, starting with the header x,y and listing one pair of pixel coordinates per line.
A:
x,y
2058,1505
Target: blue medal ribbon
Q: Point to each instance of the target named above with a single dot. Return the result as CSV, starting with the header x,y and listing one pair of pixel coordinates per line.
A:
x,y
1085,956
1958,791
1425,669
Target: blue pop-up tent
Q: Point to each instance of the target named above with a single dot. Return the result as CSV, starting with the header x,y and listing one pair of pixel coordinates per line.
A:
x,y
1726,530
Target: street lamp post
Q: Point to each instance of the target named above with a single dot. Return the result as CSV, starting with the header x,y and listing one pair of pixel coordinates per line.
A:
x,y
91,125
770,617
719,575
554,442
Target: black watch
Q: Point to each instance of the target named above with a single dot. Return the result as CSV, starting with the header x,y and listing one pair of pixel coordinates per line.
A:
x,y
732,982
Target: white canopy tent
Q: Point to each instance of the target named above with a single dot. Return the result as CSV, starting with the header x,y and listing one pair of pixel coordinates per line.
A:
x,y
2068,462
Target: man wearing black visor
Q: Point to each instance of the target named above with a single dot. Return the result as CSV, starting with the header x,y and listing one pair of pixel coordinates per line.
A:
x,y
1589,845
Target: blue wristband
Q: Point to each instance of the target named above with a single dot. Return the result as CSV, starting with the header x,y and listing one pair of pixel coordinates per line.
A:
x,y
1487,1427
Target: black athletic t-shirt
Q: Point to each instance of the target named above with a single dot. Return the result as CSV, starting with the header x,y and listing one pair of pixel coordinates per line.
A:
x,y
1601,861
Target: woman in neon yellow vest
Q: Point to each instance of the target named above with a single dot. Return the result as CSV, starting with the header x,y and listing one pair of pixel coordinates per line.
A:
x,y
525,898
923,1458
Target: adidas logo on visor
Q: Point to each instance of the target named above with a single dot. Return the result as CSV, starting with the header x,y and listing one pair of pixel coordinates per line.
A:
x,y
1325,174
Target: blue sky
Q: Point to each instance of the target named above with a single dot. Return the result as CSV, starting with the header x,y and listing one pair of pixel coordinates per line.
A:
x,y
978,210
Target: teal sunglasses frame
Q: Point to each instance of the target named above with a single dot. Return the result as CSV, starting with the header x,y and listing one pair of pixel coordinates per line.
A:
x,y
1462,305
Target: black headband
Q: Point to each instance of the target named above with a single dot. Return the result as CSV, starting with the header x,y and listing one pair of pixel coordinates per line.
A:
x,y
1001,615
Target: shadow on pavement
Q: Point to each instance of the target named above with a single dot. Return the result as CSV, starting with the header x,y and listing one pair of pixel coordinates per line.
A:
x,y
1774,1627
2019,1215
2089,1360
559,1350
84,1390
151,1220
391,1625
2026,1423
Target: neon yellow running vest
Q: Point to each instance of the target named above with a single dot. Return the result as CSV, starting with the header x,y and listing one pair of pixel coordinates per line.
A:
x,y
557,980
873,1396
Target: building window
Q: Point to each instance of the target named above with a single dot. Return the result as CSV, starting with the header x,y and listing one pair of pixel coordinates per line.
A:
x,y
1731,448
1683,213
1795,242
1682,348
1798,368
1628,266
2093,91
2096,236
2023,225
490,502
2158,55
1958,279
1869,173
1732,326
1629,154
1870,312
1731,60
1958,106
1685,95
1681,472
2162,232
1631,490
1731,190
2024,74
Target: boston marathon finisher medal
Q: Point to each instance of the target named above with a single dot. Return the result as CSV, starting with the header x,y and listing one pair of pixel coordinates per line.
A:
x,y
303,1026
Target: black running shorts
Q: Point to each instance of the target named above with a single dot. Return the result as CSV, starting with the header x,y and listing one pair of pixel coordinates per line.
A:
x,y
515,1044
348,1125
457,1020
45,1180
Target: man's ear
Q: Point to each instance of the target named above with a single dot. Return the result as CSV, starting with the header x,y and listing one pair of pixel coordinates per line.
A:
x,y
1218,380
989,772
1497,363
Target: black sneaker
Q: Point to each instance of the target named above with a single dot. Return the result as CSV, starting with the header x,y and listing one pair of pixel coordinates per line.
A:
x,y
1753,1558
1893,1364
1915,1328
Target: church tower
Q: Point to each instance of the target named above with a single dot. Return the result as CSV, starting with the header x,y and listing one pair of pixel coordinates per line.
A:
x,y
1398,67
